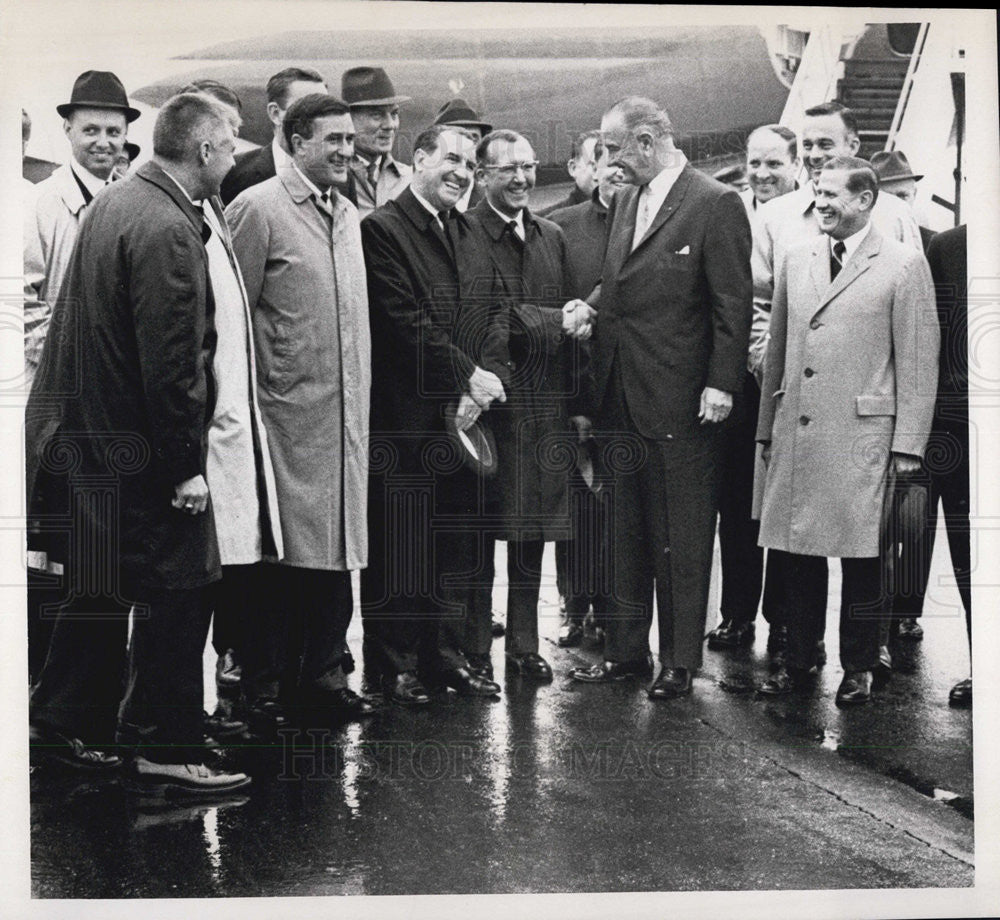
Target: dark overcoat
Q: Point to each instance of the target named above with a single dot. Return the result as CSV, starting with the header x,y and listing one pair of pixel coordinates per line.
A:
x,y
124,393
527,284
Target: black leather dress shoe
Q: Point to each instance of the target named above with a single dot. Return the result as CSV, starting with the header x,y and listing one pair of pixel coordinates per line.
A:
x,y
50,745
266,717
497,629
731,634
961,693
883,670
670,683
342,703
787,680
570,635
222,724
407,690
481,666
910,628
855,688
777,639
228,671
529,664
468,684
609,672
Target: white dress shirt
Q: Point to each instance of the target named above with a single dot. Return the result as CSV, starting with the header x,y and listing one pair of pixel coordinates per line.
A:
x,y
654,193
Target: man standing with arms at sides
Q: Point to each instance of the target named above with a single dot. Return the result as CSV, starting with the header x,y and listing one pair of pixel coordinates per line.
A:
x,y
669,351
582,167
849,379
584,558
424,365
299,247
254,166
129,390
95,121
772,165
378,176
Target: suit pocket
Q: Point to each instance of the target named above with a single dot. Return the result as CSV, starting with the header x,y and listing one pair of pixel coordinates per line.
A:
x,y
876,405
673,261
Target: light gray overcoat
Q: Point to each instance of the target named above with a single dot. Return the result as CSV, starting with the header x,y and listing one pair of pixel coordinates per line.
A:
x,y
850,376
305,280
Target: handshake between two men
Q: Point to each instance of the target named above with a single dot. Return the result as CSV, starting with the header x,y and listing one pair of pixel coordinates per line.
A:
x,y
485,387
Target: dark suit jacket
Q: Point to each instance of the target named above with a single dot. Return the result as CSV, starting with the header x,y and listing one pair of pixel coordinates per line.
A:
x,y
586,229
574,197
251,167
422,353
947,256
675,312
125,390
255,166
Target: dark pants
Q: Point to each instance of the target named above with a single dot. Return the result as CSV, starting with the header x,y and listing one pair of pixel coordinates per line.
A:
x,y
234,596
44,593
402,600
295,639
79,687
161,713
468,619
862,603
664,515
583,563
947,481
524,578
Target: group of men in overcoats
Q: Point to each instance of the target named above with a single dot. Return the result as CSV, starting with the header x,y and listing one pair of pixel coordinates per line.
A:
x,y
282,393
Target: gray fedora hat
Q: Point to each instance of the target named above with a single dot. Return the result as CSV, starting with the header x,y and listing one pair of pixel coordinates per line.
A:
x,y
368,86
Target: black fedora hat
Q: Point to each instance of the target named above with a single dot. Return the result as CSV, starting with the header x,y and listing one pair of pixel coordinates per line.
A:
x,y
458,112
892,165
368,86
133,150
98,89
475,444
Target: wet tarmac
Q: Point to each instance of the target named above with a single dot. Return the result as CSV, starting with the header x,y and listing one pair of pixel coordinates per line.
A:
x,y
565,788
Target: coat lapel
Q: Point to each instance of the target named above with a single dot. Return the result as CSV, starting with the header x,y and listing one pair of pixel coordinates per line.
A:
x,y
626,203
667,210
856,266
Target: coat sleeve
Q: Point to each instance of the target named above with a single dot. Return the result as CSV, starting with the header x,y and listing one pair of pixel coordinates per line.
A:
x,y
397,311
726,260
916,344
168,291
37,311
251,235
774,361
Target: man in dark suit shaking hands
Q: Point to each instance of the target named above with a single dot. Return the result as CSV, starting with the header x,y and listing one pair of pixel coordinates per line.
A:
x,y
674,308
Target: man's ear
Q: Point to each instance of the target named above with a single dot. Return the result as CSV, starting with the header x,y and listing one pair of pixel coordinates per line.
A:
x,y
274,113
868,199
571,167
855,142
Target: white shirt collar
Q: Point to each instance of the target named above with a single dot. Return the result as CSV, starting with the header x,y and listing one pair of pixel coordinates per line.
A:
x,y
91,183
660,185
282,160
518,218
313,188
852,242
427,206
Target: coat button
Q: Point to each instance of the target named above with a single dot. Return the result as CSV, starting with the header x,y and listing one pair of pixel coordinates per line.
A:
x,y
803,419
809,372
815,324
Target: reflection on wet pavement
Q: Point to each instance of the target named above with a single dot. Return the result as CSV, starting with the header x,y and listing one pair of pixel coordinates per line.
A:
x,y
561,787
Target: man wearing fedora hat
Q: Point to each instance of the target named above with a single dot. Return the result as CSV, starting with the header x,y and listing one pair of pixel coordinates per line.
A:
x,y
374,104
896,178
459,113
95,120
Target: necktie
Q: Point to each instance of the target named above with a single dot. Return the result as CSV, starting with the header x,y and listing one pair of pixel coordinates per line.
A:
x,y
515,231
837,259
373,174
87,197
642,217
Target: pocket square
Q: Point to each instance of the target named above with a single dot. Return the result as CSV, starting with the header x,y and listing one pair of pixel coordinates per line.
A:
x,y
686,251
